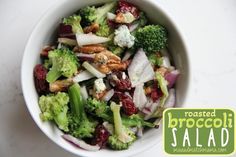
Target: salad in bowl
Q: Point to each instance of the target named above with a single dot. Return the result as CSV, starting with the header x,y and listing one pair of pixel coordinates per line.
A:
x,y
107,78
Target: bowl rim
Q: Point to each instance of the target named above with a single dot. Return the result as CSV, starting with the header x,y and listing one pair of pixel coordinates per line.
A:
x,y
38,26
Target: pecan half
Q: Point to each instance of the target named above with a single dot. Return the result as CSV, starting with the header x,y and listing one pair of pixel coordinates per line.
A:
x,y
60,85
162,70
92,28
118,66
104,69
120,18
106,57
96,48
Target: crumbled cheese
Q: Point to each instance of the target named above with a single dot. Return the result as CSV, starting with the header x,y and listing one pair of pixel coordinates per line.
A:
x,y
99,85
123,38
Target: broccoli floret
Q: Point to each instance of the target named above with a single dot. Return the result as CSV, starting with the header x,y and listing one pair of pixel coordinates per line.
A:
x,y
123,137
79,124
98,15
54,107
136,120
74,22
101,12
88,15
104,29
64,63
155,60
99,109
91,14
151,38
102,110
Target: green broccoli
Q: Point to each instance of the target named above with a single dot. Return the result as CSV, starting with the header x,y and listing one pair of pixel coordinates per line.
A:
x,y
136,120
101,12
155,59
64,63
74,22
102,110
123,137
79,124
88,15
104,29
54,107
99,109
151,38
98,15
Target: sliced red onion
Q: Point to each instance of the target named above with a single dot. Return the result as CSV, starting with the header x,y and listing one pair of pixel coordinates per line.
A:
x,y
84,92
65,31
149,109
108,95
111,16
80,143
82,76
85,57
93,70
134,26
140,69
127,55
170,102
171,77
139,97
88,39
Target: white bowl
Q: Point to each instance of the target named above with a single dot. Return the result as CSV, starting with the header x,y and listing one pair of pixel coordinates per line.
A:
x,y
44,33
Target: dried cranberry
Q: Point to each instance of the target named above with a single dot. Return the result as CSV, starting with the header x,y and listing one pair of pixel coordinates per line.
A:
x,y
113,24
128,106
41,84
156,92
100,136
65,31
120,81
125,6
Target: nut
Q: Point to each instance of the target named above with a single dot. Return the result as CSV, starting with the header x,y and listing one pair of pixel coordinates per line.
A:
x,y
92,28
60,85
120,18
162,70
96,48
106,57
112,58
104,69
148,90
119,66
101,58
